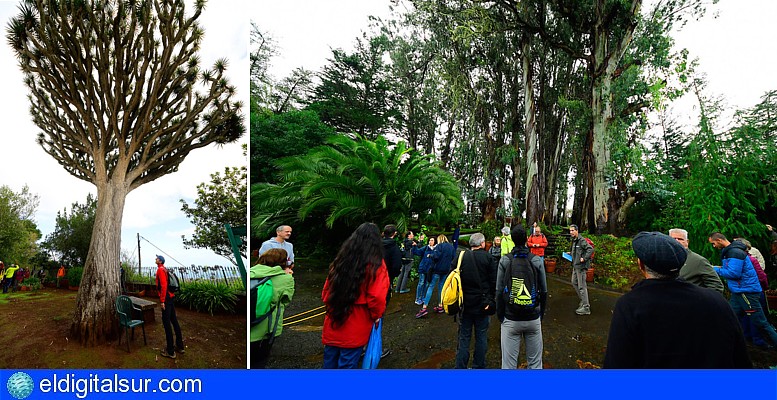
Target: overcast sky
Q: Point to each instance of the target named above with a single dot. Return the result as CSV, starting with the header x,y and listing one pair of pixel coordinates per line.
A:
x,y
153,210
737,50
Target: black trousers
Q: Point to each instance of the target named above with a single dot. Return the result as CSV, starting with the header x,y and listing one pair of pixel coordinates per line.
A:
x,y
168,318
260,353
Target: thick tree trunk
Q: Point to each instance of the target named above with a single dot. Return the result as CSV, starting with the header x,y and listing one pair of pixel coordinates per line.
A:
x,y
606,56
94,320
600,153
530,131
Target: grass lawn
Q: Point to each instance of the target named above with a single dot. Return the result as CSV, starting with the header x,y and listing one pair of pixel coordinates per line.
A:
x,y
35,328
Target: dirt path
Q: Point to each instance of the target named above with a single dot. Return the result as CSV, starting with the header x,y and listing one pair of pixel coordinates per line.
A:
x,y
569,340
35,330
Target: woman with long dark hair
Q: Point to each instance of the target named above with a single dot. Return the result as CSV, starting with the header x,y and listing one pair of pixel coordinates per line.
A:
x,y
355,297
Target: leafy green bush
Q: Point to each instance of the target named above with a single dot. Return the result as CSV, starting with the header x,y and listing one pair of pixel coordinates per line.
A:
x,y
204,296
614,261
33,283
132,276
490,229
74,276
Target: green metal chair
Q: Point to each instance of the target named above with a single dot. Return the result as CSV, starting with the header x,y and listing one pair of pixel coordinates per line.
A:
x,y
235,235
124,308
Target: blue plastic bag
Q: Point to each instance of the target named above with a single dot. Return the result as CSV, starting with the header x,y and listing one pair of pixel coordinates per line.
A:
x,y
374,347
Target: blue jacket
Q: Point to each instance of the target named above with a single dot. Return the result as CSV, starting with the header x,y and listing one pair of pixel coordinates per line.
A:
x,y
443,256
426,258
738,269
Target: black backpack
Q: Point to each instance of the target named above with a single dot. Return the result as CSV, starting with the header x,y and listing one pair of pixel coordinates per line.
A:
x,y
520,292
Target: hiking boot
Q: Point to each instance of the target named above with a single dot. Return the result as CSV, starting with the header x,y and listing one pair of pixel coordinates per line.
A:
x,y
422,313
164,353
584,310
439,310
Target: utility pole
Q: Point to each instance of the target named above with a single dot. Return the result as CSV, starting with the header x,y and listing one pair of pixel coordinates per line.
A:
x,y
140,260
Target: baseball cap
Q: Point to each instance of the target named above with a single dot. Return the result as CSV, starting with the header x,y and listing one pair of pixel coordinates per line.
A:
x,y
162,259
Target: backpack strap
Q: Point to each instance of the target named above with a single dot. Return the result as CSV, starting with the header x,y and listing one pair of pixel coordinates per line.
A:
x,y
275,326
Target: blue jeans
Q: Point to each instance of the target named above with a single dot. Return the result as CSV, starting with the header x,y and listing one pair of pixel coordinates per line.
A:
x,y
340,358
466,322
739,302
421,289
439,280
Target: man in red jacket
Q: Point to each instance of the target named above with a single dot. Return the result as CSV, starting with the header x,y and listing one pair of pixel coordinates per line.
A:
x,y
167,302
537,243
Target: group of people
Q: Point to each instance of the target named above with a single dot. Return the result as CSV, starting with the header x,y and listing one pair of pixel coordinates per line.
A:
x,y
677,317
12,276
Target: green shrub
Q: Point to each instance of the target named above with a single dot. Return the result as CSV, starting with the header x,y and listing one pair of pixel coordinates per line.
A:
x,y
490,229
614,261
204,296
132,276
33,283
74,276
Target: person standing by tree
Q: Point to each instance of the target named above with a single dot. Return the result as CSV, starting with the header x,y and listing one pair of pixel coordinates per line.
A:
x,y
355,297
60,274
581,252
697,269
743,283
537,242
167,302
521,296
280,241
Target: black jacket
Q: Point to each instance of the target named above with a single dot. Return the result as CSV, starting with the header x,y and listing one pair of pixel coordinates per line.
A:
x,y
478,292
674,324
392,256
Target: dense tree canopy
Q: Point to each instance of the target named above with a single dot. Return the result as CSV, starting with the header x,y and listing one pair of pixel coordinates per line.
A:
x,y
18,231
559,112
72,233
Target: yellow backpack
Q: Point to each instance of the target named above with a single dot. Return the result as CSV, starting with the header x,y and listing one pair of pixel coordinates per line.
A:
x,y
452,295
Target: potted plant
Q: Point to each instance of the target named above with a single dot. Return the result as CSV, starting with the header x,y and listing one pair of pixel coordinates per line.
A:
x,y
550,264
589,274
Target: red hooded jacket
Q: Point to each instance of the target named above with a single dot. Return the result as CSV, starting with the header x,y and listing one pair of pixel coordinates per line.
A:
x,y
369,306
